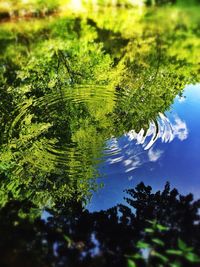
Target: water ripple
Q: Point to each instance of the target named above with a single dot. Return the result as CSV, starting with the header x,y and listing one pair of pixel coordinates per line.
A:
x,y
163,129
133,149
35,129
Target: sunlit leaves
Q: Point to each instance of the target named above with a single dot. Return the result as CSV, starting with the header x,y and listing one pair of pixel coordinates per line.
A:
x,y
158,241
69,84
131,263
153,247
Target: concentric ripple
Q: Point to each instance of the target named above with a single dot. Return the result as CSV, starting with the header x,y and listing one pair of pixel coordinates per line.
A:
x,y
163,129
134,149
42,129
69,131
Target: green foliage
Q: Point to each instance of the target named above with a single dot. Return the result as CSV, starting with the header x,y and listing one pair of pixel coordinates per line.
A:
x,y
156,252
131,263
29,8
65,89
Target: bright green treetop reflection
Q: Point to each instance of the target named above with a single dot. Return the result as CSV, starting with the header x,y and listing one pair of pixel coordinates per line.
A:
x,y
69,83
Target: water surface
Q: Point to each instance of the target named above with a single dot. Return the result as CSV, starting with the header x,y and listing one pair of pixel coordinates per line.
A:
x,y
168,151
94,100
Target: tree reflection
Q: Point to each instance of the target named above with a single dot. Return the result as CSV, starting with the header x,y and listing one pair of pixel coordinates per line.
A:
x,y
67,85
68,235
70,84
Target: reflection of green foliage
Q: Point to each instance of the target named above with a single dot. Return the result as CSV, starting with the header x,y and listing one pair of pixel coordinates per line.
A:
x,y
158,55
155,255
58,95
29,7
65,90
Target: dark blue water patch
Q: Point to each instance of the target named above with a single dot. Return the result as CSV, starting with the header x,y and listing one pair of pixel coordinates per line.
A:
x,y
168,151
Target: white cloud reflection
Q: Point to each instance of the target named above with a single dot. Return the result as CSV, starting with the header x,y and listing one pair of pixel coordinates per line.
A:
x,y
133,163
180,129
161,129
154,155
133,150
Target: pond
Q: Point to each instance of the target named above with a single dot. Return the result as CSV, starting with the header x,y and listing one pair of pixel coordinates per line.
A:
x,y
99,133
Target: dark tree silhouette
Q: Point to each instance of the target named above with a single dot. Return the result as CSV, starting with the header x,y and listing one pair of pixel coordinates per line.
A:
x,y
71,236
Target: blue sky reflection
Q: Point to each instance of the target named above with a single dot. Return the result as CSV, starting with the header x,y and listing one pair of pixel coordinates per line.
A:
x,y
170,154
